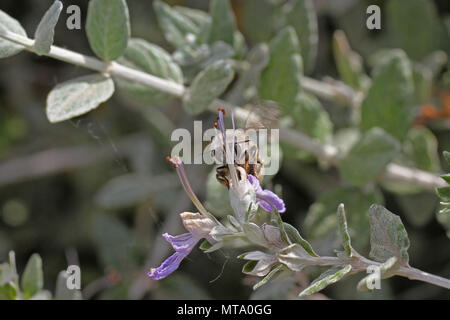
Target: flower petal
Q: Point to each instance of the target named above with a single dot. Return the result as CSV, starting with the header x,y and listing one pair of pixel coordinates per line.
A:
x,y
167,267
183,243
266,198
254,182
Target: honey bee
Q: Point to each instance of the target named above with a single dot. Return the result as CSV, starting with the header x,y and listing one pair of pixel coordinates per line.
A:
x,y
246,156
246,152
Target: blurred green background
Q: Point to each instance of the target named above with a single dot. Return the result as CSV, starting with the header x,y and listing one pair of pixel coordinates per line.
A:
x,y
96,190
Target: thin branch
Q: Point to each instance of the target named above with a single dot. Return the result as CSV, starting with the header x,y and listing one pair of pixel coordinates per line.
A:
x,y
325,90
360,263
92,63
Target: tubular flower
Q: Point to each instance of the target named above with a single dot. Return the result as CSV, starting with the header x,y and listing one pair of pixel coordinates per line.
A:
x,y
198,224
266,198
183,245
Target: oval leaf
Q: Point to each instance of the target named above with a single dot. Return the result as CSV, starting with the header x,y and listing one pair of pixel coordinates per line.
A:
x,y
280,80
223,24
33,277
207,86
108,28
348,62
388,237
301,15
330,276
369,156
388,103
78,96
8,48
152,59
46,29
177,23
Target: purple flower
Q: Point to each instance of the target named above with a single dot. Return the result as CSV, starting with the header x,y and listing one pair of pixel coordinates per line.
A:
x,y
266,198
183,245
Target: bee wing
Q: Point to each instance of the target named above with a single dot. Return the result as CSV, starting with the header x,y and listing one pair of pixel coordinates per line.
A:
x,y
263,114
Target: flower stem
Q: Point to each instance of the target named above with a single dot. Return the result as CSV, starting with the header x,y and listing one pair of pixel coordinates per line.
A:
x,y
360,263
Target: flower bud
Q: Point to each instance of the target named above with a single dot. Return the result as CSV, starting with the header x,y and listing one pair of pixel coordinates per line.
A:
x,y
242,196
197,224
273,235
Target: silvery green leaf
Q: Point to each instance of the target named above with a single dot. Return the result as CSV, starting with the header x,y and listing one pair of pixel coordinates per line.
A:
x,y
43,37
301,15
345,138
219,232
208,85
280,224
427,33
255,256
423,83
348,62
367,159
260,268
268,276
243,201
223,24
345,237
149,58
32,279
273,235
239,45
61,290
294,237
8,48
178,24
275,290
254,233
78,96
330,276
233,221
280,80
388,237
246,85
389,100
421,149
295,257
311,118
447,156
217,51
215,247
194,59
385,270
108,28
200,18
321,223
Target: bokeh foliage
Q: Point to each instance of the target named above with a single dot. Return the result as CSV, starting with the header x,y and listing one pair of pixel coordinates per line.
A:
x,y
95,191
